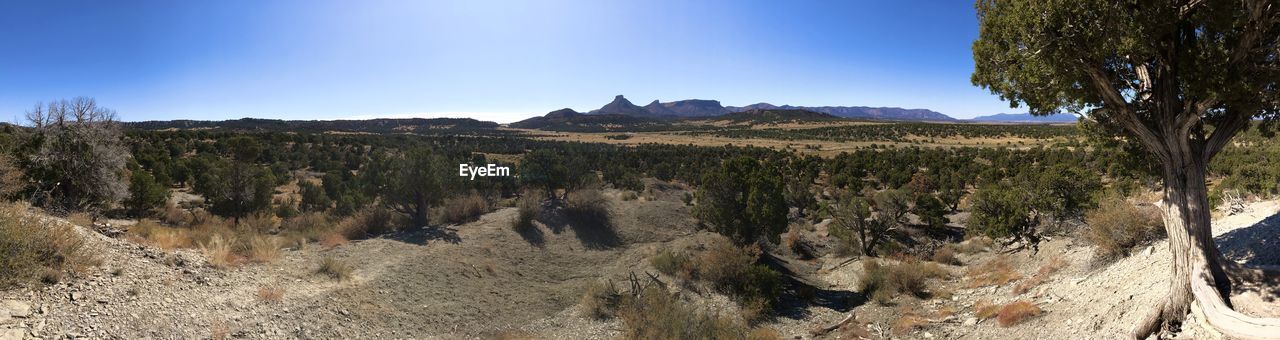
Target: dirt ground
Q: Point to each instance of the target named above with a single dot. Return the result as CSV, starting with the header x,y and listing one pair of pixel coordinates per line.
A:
x,y
484,280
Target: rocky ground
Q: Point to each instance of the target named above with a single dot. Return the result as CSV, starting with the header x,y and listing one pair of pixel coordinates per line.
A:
x,y
484,280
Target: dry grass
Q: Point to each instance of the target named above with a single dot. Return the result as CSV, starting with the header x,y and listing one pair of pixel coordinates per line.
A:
x,y
946,255
259,223
220,254
334,269
81,219
262,249
174,215
312,226
333,240
463,209
1046,270
369,221
1117,227
907,323
984,309
1016,312
673,263
271,293
997,271
909,276
974,245
34,248
656,314
600,301
528,206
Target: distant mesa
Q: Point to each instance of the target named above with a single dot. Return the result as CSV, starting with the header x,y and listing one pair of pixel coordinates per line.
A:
x,y
703,108
657,109
861,112
776,116
1027,118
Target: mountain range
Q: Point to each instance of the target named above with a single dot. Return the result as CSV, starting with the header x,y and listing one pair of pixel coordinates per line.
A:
x,y
699,108
1027,118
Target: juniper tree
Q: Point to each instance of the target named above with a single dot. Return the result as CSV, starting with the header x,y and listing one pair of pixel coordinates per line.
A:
x,y
1179,78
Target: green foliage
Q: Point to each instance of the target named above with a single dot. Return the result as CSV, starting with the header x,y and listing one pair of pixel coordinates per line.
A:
x,y
238,190
1064,191
930,210
420,180
1001,210
314,197
145,195
742,199
75,156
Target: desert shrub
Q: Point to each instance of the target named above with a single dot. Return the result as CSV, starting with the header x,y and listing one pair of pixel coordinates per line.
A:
x,y
528,206
1054,264
34,248
334,269
271,293
1016,312
600,301
995,272
10,176
946,255
794,241
258,223
671,263
975,245
909,276
587,205
174,215
369,221
656,314
463,208
732,270
312,226
1117,227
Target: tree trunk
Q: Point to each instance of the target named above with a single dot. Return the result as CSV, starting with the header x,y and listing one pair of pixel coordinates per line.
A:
x,y
1186,221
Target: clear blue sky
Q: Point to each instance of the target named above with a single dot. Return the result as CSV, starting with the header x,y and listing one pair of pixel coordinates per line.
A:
x,y
493,60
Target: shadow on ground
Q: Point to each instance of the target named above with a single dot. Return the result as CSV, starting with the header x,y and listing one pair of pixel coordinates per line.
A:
x,y
799,294
594,228
1255,245
427,235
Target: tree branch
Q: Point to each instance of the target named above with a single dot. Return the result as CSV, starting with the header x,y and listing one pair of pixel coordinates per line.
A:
x,y
1121,112
1236,121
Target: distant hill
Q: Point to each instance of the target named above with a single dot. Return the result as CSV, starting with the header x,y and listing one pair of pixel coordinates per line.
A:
x,y
775,116
381,125
621,106
702,108
573,121
1027,118
860,112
